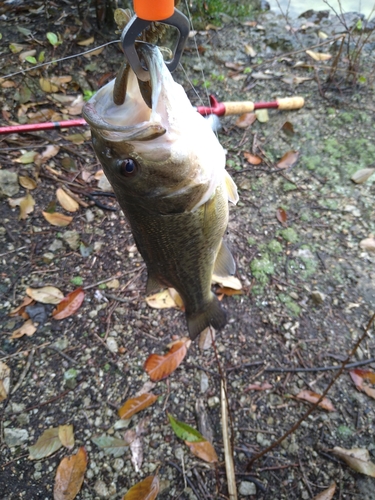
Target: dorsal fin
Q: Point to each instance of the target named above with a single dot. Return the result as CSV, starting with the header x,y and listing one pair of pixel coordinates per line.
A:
x,y
231,188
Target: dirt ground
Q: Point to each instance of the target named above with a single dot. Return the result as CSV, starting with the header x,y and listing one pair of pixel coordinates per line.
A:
x,y
309,286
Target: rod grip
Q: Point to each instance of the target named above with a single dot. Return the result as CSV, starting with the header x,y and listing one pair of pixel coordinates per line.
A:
x,y
288,103
238,108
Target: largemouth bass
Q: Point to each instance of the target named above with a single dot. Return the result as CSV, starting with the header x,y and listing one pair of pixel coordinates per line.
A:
x,y
167,170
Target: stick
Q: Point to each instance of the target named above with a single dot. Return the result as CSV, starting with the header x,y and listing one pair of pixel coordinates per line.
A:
x,y
229,465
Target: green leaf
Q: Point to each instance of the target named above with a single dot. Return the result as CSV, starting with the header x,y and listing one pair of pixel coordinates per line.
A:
x,y
52,38
48,443
111,445
41,56
24,31
77,280
30,59
184,431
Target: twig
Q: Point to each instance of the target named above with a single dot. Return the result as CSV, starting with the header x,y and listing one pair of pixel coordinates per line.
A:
x,y
12,251
62,354
112,277
188,480
229,464
278,467
25,370
246,365
315,405
14,460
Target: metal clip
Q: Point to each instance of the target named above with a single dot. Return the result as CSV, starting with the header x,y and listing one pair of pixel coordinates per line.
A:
x,y
136,25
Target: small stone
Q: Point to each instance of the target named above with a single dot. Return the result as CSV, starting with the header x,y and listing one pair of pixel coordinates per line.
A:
x,y
48,257
72,239
113,284
90,216
104,184
318,297
8,183
112,344
214,401
15,437
118,464
204,382
246,488
55,245
101,489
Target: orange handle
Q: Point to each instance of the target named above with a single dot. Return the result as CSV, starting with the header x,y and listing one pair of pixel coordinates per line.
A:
x,y
154,10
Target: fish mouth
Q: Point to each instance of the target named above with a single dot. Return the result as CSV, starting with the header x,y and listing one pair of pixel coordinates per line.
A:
x,y
132,120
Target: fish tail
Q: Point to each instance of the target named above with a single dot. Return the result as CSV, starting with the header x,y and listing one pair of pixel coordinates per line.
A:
x,y
213,315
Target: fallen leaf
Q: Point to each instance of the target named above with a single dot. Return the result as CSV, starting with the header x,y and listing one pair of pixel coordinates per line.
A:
x,y
281,216
27,182
20,310
147,489
66,201
249,51
85,43
46,294
111,445
235,66
93,53
47,444
262,115
135,405
312,397
358,459
295,80
206,338
136,449
362,175
258,387
227,281
288,160
47,86
69,305
66,436
161,300
69,476
159,367
26,204
228,291
252,159
27,158
57,219
28,53
185,431
318,56
47,154
76,107
79,138
177,298
4,381
245,120
28,328
368,244
288,128
326,494
203,450
359,376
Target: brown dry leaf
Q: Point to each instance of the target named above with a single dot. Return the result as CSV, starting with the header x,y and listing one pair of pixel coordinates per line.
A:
x,y
295,80
161,300
147,489
318,56
66,201
252,159
4,381
249,51
206,338
326,494
79,138
358,376
135,405
93,53
85,43
28,328
227,282
245,120
20,310
312,397
159,367
47,86
368,244
66,436
228,291
7,84
22,56
358,459
258,387
45,294
76,106
47,154
44,115
69,476
203,450
27,182
26,204
288,129
281,216
177,298
57,219
288,160
69,305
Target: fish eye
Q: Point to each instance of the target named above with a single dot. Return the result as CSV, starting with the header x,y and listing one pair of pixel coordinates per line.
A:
x,y
128,167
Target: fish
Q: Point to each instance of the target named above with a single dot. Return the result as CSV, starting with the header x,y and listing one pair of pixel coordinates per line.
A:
x,y
167,170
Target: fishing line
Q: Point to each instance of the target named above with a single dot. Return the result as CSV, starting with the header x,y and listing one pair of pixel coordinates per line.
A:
x,y
58,60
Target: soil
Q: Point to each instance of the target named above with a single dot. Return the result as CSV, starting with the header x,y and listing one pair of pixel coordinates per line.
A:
x,y
309,286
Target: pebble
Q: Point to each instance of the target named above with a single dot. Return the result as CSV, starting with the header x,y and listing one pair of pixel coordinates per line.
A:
x,y
204,382
318,297
8,183
72,239
112,344
104,184
15,437
101,489
90,216
246,489
214,401
55,245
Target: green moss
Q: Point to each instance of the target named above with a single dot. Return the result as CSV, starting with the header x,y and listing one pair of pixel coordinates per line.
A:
x,y
261,268
290,304
331,111
289,186
346,117
251,241
344,432
313,162
274,247
289,235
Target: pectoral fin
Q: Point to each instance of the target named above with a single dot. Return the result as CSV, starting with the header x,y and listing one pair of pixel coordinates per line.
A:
x,y
153,284
231,188
224,264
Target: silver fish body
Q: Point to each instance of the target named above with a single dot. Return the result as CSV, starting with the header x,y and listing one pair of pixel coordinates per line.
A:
x,y
167,170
